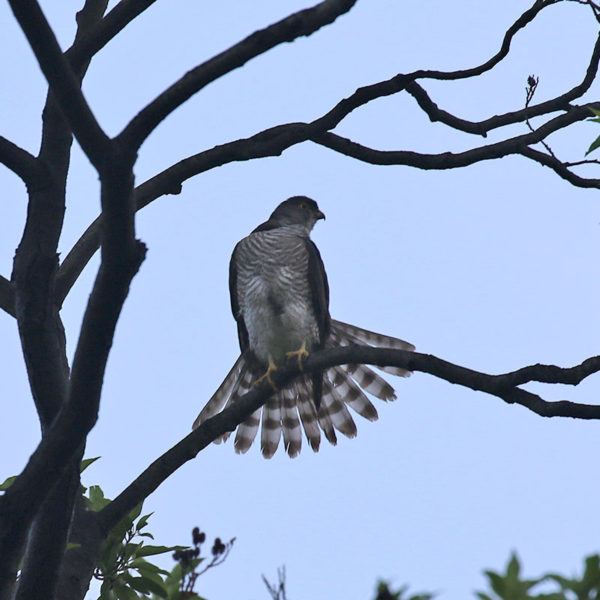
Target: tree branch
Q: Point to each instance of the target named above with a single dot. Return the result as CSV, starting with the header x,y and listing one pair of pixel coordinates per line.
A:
x,y
273,141
506,386
19,161
63,82
89,44
302,23
451,160
559,168
7,296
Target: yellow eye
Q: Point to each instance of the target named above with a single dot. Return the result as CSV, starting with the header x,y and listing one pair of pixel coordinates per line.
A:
x,y
302,205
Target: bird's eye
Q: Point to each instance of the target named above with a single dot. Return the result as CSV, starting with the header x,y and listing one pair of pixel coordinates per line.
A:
x,y
302,205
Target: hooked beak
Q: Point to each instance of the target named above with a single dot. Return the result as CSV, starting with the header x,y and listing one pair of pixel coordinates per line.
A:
x,y
320,215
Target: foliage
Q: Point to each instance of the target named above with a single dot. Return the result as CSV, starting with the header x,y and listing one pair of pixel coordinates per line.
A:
x,y
124,568
511,586
384,593
596,143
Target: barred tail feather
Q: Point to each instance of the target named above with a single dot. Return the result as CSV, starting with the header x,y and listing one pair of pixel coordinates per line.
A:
x,y
292,436
344,334
352,395
218,399
343,386
246,432
271,426
308,417
363,336
341,419
369,381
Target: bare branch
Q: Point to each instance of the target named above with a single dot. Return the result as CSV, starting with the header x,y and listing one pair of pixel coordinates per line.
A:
x,y
111,25
62,80
7,296
19,161
450,160
302,23
559,168
506,386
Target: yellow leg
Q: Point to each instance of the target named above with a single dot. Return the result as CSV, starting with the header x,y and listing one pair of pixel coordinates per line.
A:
x,y
270,369
302,353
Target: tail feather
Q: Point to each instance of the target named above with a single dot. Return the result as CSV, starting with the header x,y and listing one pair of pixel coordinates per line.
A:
x,y
338,413
292,436
308,417
271,427
326,424
369,381
352,394
344,334
218,399
363,336
343,386
246,432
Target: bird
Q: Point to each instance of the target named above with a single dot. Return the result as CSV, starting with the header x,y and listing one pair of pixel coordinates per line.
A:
x,y
280,300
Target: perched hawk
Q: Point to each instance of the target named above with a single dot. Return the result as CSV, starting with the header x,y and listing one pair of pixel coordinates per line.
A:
x,y
280,300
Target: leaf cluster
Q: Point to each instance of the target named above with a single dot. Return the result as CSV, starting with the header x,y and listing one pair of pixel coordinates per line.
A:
x,y
510,585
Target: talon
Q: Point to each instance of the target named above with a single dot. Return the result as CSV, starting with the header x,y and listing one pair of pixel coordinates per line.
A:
x,y
301,354
270,369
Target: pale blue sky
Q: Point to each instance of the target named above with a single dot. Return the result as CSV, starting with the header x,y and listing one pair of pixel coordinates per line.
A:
x,y
493,267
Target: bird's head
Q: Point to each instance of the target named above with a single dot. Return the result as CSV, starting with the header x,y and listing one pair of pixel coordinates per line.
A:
x,y
298,210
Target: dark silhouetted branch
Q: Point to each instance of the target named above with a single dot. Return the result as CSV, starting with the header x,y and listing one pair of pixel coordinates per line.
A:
x,y
63,82
506,387
302,23
19,161
88,44
7,296
560,168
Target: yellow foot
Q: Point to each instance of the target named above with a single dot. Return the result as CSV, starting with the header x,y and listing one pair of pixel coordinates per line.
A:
x,y
301,354
270,369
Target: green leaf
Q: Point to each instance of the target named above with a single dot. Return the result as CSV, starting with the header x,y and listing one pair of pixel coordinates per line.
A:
x,y
143,521
513,568
130,550
497,583
96,499
595,144
146,585
145,567
86,462
124,592
149,550
483,596
135,513
7,483
174,579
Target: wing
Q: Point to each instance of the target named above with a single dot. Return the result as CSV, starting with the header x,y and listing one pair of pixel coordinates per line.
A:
x,y
319,292
319,289
235,305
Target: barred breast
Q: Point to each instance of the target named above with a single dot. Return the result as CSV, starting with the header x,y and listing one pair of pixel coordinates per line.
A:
x,y
273,293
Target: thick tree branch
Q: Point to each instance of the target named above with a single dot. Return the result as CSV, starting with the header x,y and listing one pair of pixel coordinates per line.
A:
x,y
302,23
506,386
63,82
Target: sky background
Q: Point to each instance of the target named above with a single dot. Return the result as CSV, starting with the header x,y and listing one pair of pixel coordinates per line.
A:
x,y
492,267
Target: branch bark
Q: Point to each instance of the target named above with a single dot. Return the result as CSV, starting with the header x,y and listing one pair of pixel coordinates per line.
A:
x,y
505,386
302,23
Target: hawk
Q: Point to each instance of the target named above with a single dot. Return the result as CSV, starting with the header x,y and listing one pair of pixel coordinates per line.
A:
x,y
280,301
